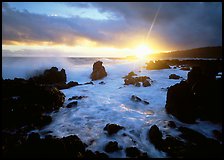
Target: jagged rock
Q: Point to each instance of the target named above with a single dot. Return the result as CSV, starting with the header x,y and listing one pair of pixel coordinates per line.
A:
x,y
112,146
51,76
135,98
72,104
99,71
112,128
130,75
77,97
138,84
174,76
89,83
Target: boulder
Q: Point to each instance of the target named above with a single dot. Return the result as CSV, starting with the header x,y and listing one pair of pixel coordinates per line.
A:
x,y
112,128
135,98
99,71
171,124
130,75
146,83
72,104
112,146
155,136
174,76
50,76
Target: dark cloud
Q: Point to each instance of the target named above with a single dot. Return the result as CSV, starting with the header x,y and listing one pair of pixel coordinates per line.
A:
x,y
180,25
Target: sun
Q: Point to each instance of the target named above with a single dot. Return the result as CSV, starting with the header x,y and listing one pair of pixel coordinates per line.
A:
x,y
142,50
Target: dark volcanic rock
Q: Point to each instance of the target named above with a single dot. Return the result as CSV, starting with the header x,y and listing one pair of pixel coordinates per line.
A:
x,y
174,76
77,97
134,152
99,71
112,128
155,136
171,124
193,98
146,83
51,76
112,147
72,104
180,102
25,102
137,99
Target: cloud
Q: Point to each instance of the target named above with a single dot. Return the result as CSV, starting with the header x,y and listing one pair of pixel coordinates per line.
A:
x,y
179,25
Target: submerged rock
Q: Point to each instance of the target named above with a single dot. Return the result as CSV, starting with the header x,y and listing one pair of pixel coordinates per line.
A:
x,y
112,128
174,76
77,97
99,71
102,82
72,104
112,146
137,99
155,136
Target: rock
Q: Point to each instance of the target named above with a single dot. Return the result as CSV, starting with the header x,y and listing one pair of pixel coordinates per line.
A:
x,y
77,97
42,121
50,76
89,83
146,102
174,76
138,84
194,75
32,101
135,98
180,102
102,82
72,84
159,64
130,75
72,104
130,81
112,128
101,155
99,71
155,136
134,152
171,124
146,83
112,147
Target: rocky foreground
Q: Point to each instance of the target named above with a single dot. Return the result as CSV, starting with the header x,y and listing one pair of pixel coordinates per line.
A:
x,y
26,104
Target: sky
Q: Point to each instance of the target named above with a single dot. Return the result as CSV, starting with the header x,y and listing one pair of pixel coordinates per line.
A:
x,y
108,29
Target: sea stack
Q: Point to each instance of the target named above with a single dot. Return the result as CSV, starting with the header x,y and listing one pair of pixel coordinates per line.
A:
x,y
99,71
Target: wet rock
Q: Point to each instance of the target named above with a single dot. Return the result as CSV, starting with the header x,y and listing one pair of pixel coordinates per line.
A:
x,y
42,121
130,75
130,81
72,104
138,84
174,76
171,124
135,98
77,97
89,83
155,136
112,146
112,128
50,76
134,152
102,82
99,71
146,83
180,102
101,155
